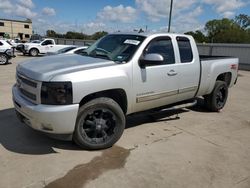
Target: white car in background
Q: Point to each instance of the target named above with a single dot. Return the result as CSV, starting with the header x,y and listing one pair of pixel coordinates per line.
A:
x,y
6,52
62,51
69,50
78,50
45,46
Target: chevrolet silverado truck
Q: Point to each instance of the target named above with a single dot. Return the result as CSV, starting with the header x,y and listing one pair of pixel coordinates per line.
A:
x,y
87,97
43,47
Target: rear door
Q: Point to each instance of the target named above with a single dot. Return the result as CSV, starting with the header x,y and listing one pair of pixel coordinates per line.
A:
x,y
189,68
156,85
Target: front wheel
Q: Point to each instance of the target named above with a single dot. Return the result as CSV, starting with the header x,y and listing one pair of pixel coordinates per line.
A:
x,y
217,99
34,52
100,124
3,59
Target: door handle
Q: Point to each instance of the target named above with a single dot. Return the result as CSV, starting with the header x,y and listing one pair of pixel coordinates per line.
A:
x,y
172,73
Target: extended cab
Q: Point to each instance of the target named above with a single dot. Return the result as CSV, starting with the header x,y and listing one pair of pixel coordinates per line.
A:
x,y
43,47
87,96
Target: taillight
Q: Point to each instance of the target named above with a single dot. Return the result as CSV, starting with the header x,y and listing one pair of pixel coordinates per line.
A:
x,y
234,67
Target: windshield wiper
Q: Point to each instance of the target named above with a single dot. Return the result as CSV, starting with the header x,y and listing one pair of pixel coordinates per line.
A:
x,y
105,56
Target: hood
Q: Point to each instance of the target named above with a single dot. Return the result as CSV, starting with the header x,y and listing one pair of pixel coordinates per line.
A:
x,y
45,68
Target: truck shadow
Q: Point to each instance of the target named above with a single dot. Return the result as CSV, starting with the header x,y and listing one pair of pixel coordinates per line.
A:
x,y
19,138
147,117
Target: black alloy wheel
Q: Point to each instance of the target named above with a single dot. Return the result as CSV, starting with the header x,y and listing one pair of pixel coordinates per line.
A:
x,y
216,100
100,124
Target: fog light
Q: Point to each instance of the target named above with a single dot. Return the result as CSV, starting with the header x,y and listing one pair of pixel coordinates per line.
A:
x,y
47,127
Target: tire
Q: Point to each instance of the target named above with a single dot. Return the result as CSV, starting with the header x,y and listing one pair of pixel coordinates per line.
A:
x,y
33,52
216,100
3,59
99,125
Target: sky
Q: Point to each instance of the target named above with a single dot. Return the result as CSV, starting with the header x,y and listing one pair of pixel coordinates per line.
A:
x,y
90,16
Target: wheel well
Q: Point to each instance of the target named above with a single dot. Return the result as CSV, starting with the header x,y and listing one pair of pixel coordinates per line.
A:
x,y
34,48
118,95
226,77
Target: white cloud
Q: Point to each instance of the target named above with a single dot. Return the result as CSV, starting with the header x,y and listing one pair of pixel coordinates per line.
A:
x,y
22,8
24,12
225,8
156,10
5,6
48,11
94,25
26,3
118,14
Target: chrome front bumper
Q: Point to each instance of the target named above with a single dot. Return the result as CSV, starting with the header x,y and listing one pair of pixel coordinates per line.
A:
x,y
46,118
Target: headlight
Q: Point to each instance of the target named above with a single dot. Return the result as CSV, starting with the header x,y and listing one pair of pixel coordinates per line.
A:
x,y
56,93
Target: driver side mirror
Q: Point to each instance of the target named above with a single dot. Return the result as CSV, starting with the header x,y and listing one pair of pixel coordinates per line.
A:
x,y
151,59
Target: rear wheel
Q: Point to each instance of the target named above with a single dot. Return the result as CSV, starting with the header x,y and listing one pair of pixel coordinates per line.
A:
x,y
3,59
217,99
100,124
34,52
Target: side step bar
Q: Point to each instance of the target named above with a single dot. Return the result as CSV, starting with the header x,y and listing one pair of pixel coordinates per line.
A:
x,y
178,106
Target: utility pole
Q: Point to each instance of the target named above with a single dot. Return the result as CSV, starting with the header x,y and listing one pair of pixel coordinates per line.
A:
x,y
170,15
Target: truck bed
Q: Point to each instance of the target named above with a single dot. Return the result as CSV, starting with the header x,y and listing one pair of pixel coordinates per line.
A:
x,y
210,57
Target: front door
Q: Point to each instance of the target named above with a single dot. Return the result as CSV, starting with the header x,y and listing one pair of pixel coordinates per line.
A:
x,y
156,85
46,46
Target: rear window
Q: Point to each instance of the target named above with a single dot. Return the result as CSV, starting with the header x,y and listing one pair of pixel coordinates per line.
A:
x,y
185,49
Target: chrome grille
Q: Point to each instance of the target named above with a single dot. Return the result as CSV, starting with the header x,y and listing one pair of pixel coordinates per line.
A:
x,y
28,88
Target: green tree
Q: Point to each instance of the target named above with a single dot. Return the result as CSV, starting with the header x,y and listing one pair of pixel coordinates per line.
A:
x,y
198,36
51,33
243,21
98,35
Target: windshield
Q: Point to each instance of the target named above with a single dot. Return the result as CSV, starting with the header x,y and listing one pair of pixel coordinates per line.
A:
x,y
115,47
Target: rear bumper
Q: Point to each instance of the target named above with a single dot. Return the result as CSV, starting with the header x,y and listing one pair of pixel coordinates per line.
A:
x,y
46,118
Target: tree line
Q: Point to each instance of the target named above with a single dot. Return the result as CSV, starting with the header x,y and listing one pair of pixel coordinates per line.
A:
x,y
76,35
224,30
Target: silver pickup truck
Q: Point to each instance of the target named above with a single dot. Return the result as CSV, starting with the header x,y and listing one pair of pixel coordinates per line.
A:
x,y
87,96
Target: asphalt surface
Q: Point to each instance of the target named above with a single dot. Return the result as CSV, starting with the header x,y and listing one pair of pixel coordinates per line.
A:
x,y
194,149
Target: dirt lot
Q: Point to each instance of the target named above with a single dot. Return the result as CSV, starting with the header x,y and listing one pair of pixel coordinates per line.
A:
x,y
198,149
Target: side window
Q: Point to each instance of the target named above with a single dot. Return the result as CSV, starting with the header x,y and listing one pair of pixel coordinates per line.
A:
x,y
47,42
186,53
164,47
1,43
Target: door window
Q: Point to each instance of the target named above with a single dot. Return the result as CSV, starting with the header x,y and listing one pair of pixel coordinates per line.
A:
x,y
164,47
185,49
47,42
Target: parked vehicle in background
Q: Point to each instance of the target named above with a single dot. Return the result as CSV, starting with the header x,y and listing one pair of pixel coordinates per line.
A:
x,y
79,50
15,42
6,52
20,47
87,97
62,51
45,46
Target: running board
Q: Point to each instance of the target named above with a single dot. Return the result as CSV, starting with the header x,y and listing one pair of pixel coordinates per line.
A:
x,y
180,106
176,107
